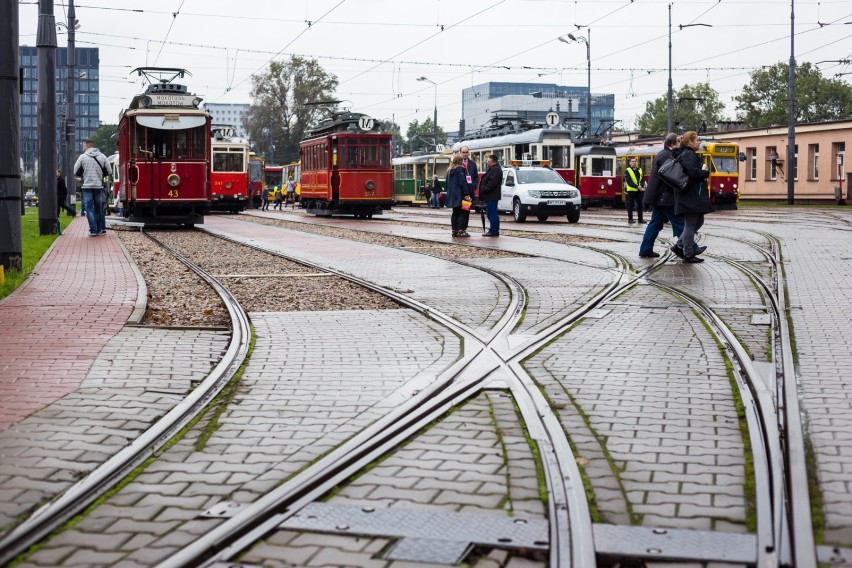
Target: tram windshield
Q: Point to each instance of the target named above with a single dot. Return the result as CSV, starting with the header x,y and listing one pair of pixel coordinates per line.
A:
x,y
228,161
255,170
364,154
724,165
159,144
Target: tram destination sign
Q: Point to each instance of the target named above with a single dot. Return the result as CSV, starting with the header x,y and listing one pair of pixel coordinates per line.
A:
x,y
162,100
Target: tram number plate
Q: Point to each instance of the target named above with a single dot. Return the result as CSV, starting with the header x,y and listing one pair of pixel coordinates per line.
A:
x,y
173,193
557,202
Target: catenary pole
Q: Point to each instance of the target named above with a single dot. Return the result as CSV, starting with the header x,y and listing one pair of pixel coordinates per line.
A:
x,y
70,116
46,44
669,92
11,204
791,129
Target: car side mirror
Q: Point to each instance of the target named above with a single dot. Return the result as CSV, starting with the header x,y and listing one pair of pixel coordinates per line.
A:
x,y
510,182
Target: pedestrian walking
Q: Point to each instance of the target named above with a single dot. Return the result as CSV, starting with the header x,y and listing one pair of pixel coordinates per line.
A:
x,y
435,201
278,197
472,180
634,185
489,192
291,191
62,195
660,197
693,201
458,191
264,199
92,167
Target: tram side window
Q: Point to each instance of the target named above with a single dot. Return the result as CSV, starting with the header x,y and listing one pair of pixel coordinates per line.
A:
x,y
602,166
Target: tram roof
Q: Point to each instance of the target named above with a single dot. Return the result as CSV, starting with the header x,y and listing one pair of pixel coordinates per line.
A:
x,y
421,159
526,137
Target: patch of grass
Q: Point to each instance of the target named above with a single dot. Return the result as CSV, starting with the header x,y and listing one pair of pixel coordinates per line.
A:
x,y
33,247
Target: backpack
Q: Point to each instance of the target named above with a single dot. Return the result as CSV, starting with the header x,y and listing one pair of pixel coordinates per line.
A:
x,y
672,173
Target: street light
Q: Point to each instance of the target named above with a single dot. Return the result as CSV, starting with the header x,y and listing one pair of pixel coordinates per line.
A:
x,y
587,41
669,125
435,118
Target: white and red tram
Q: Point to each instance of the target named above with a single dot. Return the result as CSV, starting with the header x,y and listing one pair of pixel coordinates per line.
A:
x,y
164,153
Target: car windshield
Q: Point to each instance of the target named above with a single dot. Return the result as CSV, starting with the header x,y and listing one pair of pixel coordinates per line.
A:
x,y
539,176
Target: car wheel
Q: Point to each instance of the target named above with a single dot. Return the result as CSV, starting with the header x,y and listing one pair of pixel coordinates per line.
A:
x,y
574,217
518,212
542,218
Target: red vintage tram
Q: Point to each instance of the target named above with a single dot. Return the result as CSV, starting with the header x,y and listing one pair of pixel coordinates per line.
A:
x,y
346,167
229,176
596,176
164,152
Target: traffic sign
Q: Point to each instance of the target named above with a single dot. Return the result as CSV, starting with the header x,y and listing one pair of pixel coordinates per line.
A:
x,y
366,123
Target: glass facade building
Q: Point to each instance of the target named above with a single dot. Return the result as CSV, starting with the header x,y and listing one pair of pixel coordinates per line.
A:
x,y
532,102
86,97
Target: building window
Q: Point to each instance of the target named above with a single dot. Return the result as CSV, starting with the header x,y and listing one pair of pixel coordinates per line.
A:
x,y
838,151
813,161
796,162
751,154
771,163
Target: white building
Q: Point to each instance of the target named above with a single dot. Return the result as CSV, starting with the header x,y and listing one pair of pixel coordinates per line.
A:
x,y
230,114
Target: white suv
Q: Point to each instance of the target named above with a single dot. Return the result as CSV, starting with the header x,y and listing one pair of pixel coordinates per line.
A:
x,y
533,188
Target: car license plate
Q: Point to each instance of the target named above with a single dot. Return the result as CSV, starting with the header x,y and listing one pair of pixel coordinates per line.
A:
x,y
557,202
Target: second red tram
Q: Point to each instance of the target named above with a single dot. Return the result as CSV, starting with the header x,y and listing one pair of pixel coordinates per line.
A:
x,y
346,167
229,177
164,153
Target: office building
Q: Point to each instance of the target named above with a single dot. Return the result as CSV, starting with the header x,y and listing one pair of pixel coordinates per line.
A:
x,y
484,103
87,100
230,114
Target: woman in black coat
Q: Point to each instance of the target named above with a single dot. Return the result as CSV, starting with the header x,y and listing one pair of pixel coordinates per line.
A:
x,y
457,190
693,201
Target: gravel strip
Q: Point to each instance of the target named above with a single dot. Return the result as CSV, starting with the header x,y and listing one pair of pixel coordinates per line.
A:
x,y
261,282
448,251
177,297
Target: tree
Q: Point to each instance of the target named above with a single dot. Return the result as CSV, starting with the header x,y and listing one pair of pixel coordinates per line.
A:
x,y
423,134
106,139
279,115
692,107
395,131
765,101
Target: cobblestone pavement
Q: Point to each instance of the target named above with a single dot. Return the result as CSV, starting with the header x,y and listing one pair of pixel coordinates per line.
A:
x,y
312,382
122,395
642,390
79,327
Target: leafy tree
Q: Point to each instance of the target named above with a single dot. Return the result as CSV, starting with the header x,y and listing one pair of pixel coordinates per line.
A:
x,y
692,106
420,135
765,101
279,115
394,130
106,139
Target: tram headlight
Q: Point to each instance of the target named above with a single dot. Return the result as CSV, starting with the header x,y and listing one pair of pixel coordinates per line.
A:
x,y
370,185
173,180
228,185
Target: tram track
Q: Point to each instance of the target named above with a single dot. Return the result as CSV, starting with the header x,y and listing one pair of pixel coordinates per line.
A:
x,y
110,474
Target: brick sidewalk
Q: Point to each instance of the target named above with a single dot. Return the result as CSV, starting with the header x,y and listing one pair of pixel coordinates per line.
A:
x,y
48,336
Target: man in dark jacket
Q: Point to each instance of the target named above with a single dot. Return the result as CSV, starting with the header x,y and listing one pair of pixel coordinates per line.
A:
x,y
694,200
489,192
472,179
661,198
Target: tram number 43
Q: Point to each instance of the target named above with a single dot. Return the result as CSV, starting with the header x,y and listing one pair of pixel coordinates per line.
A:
x,y
173,193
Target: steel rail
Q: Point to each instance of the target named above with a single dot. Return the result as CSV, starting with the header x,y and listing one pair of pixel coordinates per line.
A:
x,y
102,479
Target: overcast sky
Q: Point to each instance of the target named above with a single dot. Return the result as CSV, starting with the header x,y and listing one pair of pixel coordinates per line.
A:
x,y
378,48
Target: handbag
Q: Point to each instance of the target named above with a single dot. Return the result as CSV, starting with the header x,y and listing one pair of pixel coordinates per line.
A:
x,y
672,173
465,204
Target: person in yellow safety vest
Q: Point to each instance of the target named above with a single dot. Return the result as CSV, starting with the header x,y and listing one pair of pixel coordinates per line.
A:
x,y
634,185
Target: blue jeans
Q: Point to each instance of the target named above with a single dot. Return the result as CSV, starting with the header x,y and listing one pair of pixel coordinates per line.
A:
x,y
659,215
93,203
493,217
